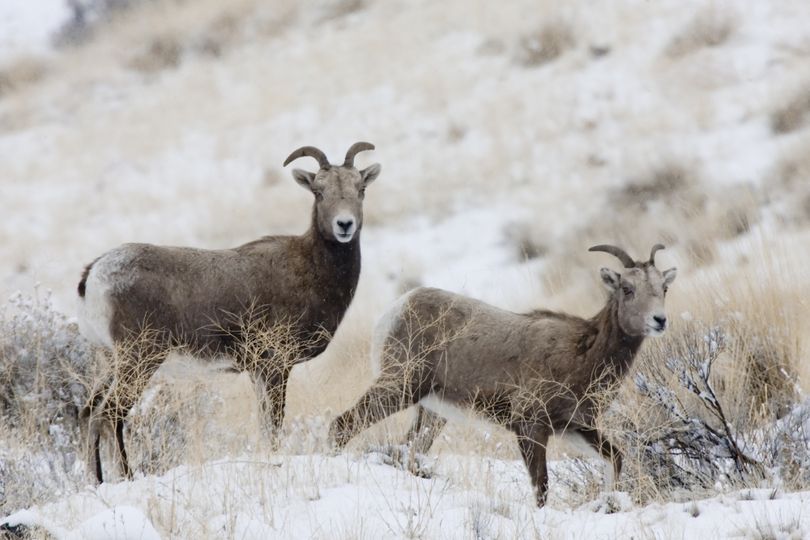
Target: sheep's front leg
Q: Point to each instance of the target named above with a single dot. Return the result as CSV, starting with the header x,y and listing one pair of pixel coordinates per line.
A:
x,y
271,390
533,441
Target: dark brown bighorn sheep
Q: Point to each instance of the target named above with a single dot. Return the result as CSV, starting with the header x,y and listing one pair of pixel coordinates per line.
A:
x,y
535,373
199,300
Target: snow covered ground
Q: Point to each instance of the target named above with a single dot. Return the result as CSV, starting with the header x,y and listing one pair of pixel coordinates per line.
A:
x,y
512,136
313,496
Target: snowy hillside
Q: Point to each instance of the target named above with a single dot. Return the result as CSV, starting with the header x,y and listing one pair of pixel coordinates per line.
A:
x,y
512,136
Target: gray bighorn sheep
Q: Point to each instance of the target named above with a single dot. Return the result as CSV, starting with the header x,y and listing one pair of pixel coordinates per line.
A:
x,y
534,373
198,300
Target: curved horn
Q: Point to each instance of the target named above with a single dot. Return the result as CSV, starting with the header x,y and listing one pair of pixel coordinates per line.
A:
x,y
656,247
353,150
310,151
617,252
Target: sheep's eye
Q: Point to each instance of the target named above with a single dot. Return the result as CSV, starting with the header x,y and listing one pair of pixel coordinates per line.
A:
x,y
628,292
318,195
362,193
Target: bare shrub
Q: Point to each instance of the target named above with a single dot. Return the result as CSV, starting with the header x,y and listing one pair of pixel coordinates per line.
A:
x,y
793,114
701,414
700,443
708,28
545,45
43,365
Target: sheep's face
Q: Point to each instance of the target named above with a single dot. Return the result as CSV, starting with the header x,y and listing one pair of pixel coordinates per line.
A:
x,y
339,193
640,292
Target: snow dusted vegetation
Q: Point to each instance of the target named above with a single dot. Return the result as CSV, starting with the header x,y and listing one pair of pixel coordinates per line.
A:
x,y
513,136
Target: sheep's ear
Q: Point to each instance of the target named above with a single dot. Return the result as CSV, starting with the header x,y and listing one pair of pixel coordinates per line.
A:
x,y
669,276
304,178
370,173
610,279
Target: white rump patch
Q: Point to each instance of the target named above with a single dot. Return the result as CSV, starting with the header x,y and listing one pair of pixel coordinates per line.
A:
x,y
95,310
382,330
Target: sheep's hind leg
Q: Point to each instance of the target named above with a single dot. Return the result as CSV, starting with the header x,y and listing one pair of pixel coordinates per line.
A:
x,y
92,424
533,441
379,402
425,428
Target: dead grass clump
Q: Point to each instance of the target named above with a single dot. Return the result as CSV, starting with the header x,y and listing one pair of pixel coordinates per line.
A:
x,y
793,114
338,9
701,252
708,28
218,35
162,53
524,238
545,45
19,74
738,219
664,182
790,189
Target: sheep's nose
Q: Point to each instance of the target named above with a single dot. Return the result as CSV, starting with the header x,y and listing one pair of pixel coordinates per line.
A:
x,y
661,320
345,224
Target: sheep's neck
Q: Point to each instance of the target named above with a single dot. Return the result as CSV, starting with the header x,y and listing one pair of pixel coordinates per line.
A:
x,y
612,351
339,263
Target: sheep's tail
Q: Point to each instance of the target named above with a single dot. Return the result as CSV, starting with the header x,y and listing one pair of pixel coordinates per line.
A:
x,y
83,283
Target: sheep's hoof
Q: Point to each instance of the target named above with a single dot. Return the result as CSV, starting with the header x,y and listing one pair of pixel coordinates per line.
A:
x,y
402,457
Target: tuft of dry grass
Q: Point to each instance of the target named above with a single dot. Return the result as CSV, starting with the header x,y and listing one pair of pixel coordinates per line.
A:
x,y
546,44
337,9
527,242
21,73
164,52
792,114
708,28
665,182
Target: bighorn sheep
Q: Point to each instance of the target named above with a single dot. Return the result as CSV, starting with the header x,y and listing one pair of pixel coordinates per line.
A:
x,y
534,373
198,300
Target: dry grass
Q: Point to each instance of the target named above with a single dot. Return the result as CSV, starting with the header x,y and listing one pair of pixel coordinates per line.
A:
x,y
21,73
545,45
791,115
711,27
